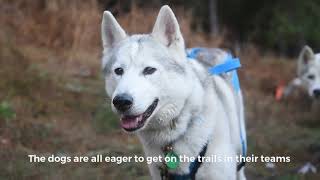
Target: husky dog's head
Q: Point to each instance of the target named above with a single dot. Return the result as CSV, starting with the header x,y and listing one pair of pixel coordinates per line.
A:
x,y
309,71
145,74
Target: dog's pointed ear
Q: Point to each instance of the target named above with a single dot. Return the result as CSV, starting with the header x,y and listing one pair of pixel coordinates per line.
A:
x,y
166,29
111,31
306,55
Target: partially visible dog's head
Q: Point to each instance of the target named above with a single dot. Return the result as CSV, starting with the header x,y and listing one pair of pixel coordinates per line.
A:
x,y
309,71
145,74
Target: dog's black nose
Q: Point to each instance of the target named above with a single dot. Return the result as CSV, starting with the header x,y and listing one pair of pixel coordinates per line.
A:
x,y
316,93
122,102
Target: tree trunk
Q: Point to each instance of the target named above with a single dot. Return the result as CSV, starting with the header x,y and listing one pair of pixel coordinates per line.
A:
x,y
213,17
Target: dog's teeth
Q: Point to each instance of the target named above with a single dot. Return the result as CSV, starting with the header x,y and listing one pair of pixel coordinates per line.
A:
x,y
139,118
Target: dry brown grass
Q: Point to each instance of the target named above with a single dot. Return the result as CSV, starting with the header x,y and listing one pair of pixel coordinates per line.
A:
x,y
70,30
54,24
75,25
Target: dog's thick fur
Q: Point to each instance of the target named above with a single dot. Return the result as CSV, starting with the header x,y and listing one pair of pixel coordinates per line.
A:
x,y
194,108
308,74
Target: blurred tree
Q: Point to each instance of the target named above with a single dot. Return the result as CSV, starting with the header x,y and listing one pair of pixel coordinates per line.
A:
x,y
288,25
281,25
213,16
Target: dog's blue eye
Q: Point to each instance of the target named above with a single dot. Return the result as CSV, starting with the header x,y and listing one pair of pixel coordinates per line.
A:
x,y
311,77
149,70
118,71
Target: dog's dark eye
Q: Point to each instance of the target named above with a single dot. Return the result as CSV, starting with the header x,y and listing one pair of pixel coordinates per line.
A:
x,y
311,77
118,71
149,70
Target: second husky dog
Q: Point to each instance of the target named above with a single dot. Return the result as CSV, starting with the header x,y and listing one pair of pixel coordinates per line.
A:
x,y
171,102
308,74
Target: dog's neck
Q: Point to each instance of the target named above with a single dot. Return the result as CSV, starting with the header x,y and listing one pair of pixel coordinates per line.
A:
x,y
194,127
192,122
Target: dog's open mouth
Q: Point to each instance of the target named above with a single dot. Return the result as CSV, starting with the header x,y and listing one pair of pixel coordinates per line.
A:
x,y
132,123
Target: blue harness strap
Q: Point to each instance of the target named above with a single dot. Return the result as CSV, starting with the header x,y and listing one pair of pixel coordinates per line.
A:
x,y
230,64
193,53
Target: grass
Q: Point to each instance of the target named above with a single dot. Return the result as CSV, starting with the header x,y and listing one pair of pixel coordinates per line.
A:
x,y
6,111
104,119
52,98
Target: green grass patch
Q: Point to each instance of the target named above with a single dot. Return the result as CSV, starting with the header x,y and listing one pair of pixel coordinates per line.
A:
x,y
104,120
7,112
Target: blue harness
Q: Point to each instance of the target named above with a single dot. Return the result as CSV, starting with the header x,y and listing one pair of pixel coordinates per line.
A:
x,y
230,64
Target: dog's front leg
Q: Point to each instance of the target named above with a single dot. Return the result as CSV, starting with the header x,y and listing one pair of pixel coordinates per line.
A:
x,y
152,151
154,171
221,169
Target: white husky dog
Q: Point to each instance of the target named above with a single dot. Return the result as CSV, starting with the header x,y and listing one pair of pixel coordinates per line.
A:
x,y
308,74
171,102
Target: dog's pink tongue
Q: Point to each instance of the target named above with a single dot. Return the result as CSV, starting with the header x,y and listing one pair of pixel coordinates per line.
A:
x,y
130,122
